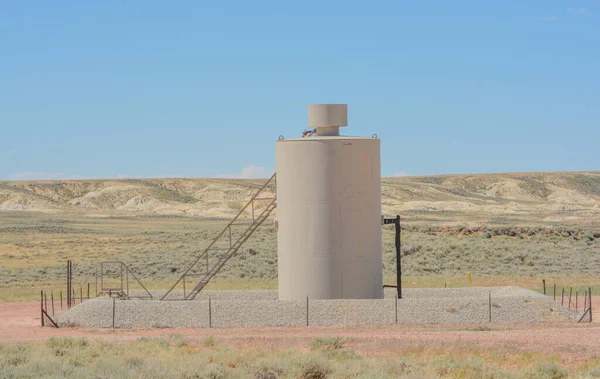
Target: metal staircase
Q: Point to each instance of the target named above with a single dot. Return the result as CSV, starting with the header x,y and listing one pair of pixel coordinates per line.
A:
x,y
231,244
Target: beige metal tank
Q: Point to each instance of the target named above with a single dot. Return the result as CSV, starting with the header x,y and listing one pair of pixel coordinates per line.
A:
x,y
329,217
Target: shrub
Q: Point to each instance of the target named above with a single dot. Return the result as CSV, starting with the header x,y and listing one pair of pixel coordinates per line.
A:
x,y
214,371
178,340
209,342
14,355
66,342
134,362
314,368
547,370
268,371
481,328
327,343
594,372
343,354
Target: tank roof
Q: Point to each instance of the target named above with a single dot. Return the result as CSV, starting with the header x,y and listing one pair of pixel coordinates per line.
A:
x,y
325,138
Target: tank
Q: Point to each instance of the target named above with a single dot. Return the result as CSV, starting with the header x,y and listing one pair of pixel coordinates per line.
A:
x,y
329,213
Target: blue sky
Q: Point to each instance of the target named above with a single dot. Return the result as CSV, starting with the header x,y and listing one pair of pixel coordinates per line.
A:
x,y
101,89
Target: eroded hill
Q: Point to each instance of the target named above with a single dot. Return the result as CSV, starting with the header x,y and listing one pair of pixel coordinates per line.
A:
x,y
571,197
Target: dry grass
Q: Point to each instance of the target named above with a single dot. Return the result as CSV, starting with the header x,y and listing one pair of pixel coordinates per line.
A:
x,y
176,356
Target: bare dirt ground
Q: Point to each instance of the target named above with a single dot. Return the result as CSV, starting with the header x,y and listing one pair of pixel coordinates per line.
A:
x,y
573,343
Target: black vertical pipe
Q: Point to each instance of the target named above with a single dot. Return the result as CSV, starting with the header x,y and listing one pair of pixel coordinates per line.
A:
x,y
398,259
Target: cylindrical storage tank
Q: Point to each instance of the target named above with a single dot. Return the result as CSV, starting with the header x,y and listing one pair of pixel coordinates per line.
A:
x,y
329,218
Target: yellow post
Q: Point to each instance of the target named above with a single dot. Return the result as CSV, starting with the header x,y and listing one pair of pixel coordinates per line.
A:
x,y
470,278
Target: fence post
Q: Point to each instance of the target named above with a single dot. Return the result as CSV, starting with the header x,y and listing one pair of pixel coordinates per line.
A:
x,y
554,291
590,292
69,284
544,284
570,293
307,311
576,301
45,302
68,302
562,297
88,294
61,299
80,295
52,299
585,301
490,305
42,307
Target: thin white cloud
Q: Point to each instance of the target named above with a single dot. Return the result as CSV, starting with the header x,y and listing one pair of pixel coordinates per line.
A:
x,y
550,18
576,10
39,176
250,172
